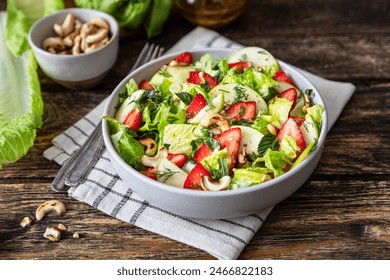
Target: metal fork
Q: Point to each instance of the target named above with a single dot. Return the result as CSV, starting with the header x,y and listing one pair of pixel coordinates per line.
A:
x,y
75,170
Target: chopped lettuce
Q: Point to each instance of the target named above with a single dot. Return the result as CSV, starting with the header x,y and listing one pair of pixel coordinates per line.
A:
x,y
217,164
124,143
205,64
246,177
178,137
21,14
275,161
316,112
21,104
279,109
289,147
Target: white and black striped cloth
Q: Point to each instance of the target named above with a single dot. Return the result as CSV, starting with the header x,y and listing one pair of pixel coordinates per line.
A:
x,y
104,190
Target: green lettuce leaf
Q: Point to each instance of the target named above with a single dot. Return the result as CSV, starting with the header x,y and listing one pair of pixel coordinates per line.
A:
x,y
217,164
124,143
246,177
21,104
158,15
279,109
316,112
179,137
21,14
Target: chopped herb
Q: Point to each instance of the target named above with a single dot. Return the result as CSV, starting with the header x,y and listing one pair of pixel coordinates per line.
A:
x,y
310,92
213,144
185,97
221,171
243,57
268,141
165,175
240,93
242,111
164,72
263,52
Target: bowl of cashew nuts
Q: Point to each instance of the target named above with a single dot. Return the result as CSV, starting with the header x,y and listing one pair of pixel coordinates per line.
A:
x,y
75,47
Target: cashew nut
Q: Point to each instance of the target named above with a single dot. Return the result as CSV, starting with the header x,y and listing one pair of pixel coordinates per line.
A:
x,y
96,45
86,29
242,156
68,24
58,29
54,42
99,22
76,47
98,36
154,161
49,206
52,233
219,185
150,144
272,129
216,120
26,220
61,227
266,178
69,40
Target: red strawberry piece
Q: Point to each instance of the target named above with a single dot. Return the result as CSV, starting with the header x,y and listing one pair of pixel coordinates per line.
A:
x,y
241,65
150,172
280,76
178,159
290,94
197,104
195,177
134,119
210,80
194,78
183,59
144,84
298,120
291,129
202,152
241,111
198,78
230,139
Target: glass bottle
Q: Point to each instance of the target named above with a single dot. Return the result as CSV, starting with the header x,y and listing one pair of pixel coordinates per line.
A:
x,y
210,13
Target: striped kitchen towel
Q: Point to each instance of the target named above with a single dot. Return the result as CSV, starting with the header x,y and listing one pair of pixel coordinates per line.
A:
x,y
104,190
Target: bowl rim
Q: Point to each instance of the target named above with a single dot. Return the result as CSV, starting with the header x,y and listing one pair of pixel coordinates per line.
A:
x,y
112,99
40,50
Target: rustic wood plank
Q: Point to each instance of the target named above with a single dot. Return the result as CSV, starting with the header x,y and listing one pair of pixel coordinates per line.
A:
x,y
342,212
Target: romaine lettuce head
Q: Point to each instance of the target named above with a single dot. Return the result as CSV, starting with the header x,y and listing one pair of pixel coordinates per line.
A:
x,y
21,104
21,14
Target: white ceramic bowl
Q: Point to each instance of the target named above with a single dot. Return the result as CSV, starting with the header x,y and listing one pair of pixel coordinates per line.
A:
x,y
212,205
74,71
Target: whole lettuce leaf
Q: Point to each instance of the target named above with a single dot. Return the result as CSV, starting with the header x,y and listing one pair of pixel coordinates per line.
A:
x,y
132,13
21,104
21,14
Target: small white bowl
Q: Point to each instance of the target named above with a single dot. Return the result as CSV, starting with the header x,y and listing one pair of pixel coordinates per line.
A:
x,y
74,71
212,205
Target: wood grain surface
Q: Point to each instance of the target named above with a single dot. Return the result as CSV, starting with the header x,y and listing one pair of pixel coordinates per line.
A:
x,y
341,212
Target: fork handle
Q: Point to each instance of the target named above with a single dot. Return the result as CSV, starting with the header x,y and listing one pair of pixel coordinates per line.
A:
x,y
74,171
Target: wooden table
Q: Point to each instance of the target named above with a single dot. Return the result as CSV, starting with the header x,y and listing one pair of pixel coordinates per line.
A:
x,y
341,212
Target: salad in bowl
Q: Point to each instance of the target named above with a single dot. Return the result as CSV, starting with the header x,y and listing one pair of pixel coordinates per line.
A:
x,y
214,133
215,125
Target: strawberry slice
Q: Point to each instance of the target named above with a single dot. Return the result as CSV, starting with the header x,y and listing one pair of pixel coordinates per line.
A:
x,y
144,84
241,65
183,59
298,120
150,172
291,129
194,178
231,140
290,94
197,77
178,159
241,111
134,119
280,76
197,104
202,152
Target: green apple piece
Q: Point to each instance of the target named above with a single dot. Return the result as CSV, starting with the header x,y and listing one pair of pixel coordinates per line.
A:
x,y
251,138
169,173
177,74
235,92
217,106
309,130
128,105
303,155
259,57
